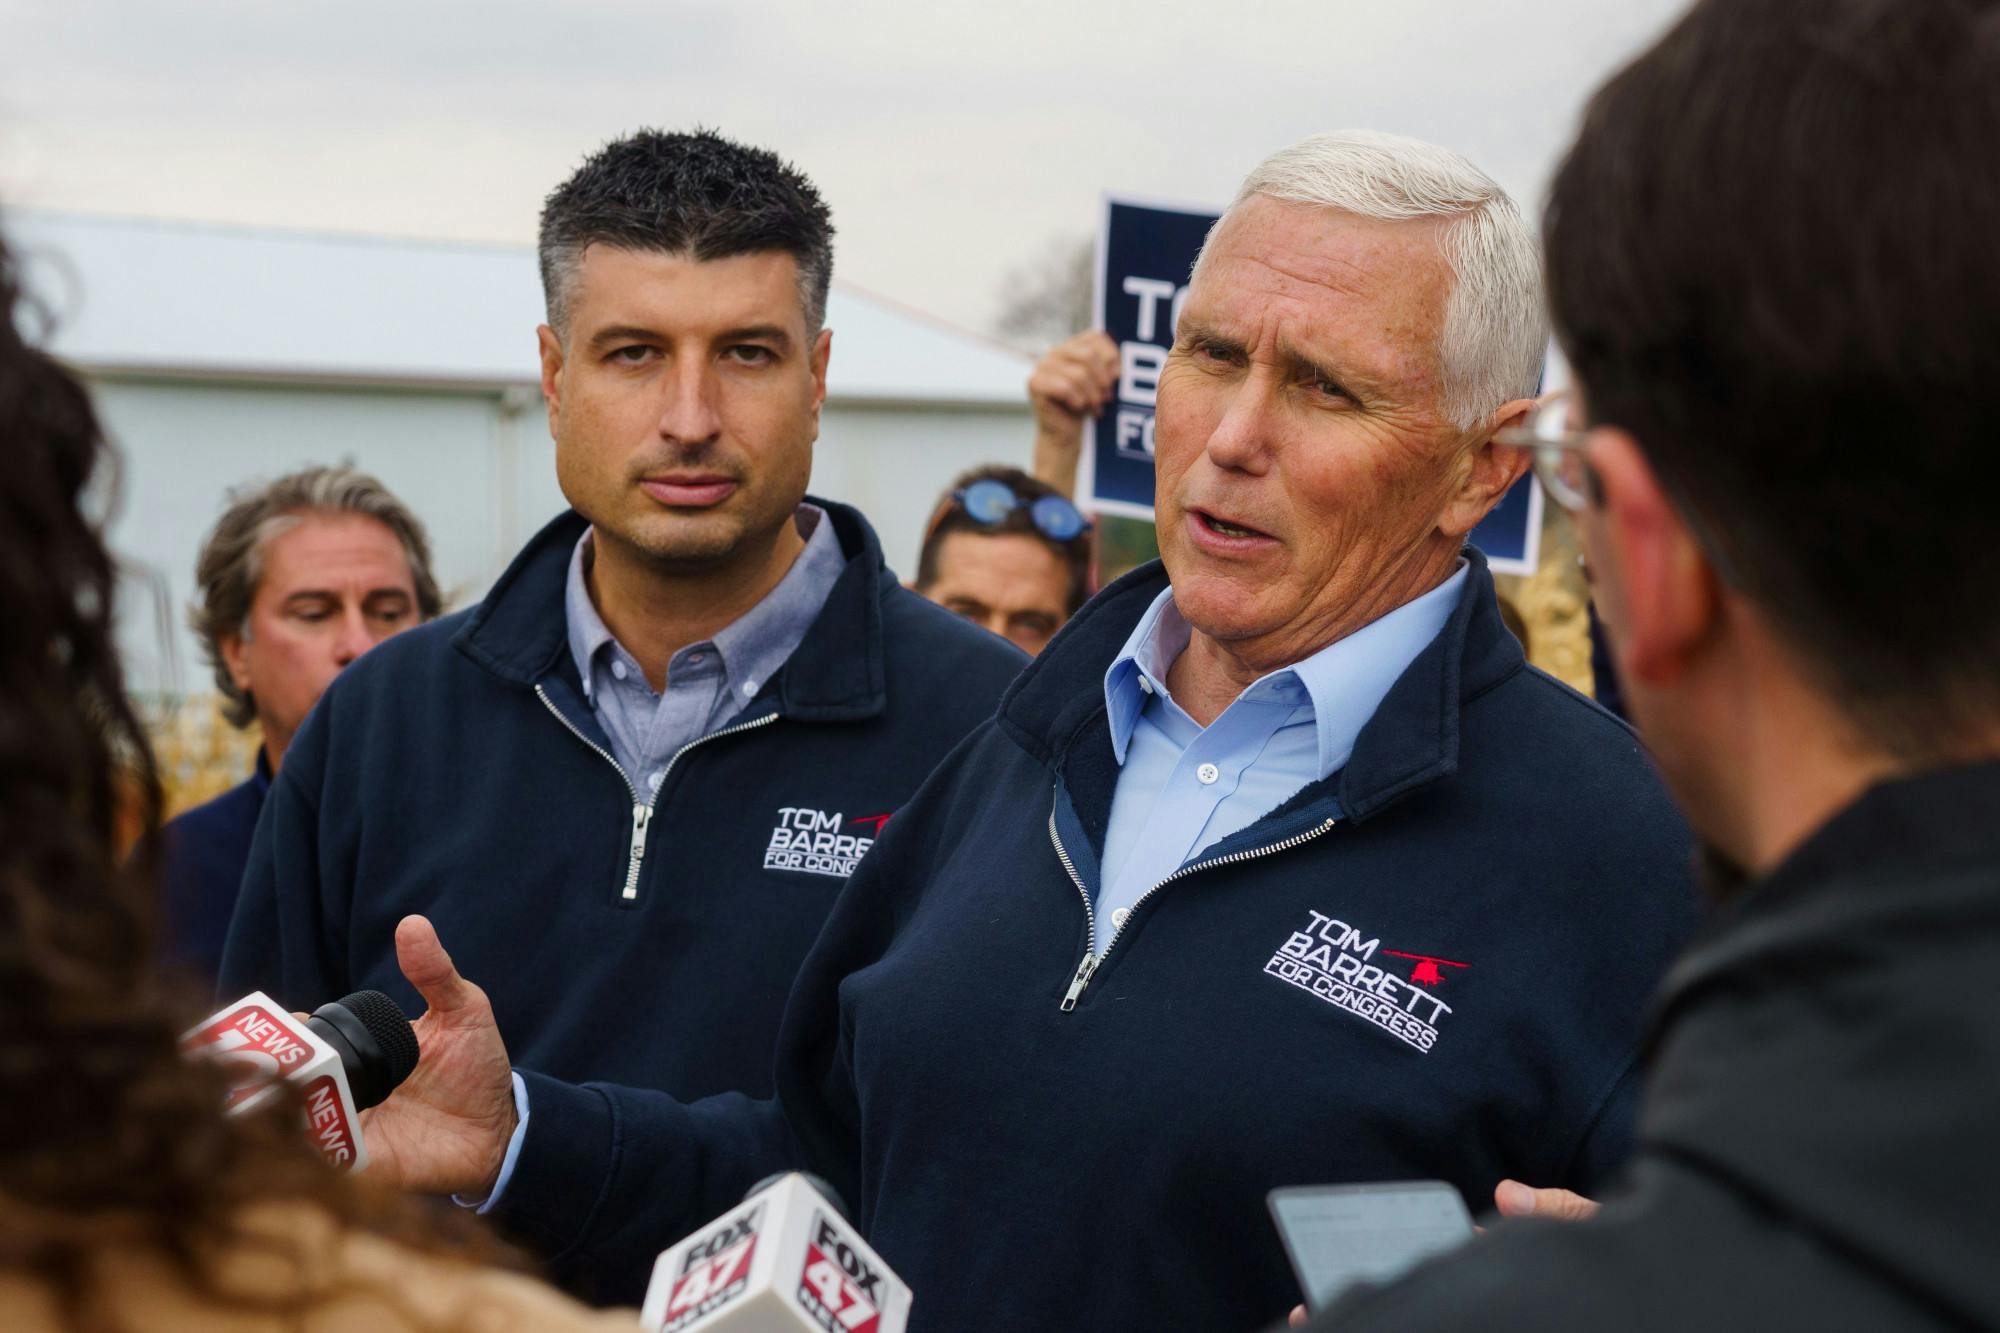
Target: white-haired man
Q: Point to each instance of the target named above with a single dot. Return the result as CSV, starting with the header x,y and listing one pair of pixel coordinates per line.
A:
x,y
1278,866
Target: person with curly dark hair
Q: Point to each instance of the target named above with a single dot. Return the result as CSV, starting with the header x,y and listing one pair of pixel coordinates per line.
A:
x,y
127,1200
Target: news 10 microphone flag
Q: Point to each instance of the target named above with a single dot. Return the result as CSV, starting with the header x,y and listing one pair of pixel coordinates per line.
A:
x,y
1145,251
263,1045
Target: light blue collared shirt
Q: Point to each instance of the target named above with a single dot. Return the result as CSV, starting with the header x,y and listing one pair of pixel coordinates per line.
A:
x,y
1183,787
708,683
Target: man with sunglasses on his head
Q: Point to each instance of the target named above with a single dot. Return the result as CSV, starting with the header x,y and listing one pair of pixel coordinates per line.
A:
x,y
1008,552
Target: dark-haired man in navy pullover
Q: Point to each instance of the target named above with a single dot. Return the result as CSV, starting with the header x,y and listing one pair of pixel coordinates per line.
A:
x,y
1278,866
631,782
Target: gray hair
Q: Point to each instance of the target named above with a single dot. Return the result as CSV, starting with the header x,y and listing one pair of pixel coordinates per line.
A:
x,y
1496,329
231,564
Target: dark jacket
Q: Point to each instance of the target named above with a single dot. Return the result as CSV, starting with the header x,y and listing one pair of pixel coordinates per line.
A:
x,y
204,852
1817,1145
456,771
1264,1019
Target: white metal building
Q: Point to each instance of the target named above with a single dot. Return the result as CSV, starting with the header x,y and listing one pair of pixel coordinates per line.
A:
x,y
221,354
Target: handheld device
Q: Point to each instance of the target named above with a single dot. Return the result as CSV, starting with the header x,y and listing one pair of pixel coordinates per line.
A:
x,y
1339,1235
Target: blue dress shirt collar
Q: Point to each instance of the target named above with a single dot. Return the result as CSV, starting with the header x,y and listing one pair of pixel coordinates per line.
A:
x,y
1342,684
753,646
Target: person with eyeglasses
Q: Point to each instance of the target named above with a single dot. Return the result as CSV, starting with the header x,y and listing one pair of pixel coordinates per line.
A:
x,y
1279,866
1007,552
1771,268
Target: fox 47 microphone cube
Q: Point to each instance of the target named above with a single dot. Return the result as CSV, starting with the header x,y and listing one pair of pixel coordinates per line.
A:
x,y
263,1045
782,1261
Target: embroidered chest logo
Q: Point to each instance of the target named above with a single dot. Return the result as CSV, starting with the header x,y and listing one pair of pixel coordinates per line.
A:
x,y
1329,959
817,843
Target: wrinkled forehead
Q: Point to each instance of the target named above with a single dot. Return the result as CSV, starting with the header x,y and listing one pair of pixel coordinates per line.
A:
x,y
1367,294
313,546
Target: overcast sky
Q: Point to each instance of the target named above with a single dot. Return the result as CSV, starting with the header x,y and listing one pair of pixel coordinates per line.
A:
x,y
953,141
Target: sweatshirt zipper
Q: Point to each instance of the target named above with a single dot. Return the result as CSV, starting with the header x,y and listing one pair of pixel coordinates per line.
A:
x,y
1087,968
642,811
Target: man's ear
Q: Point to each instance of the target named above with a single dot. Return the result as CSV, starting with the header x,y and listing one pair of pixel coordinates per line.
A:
x,y
551,350
1660,600
822,352
235,652
1491,469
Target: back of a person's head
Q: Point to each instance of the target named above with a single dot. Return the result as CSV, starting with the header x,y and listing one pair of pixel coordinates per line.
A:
x,y
950,516
1772,259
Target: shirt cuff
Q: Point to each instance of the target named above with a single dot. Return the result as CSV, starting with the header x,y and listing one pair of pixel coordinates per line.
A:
x,y
492,1199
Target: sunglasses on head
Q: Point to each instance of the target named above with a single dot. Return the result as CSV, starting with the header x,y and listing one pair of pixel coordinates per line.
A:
x,y
990,501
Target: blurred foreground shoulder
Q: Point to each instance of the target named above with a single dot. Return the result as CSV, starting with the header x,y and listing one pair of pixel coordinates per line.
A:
x,y
944,651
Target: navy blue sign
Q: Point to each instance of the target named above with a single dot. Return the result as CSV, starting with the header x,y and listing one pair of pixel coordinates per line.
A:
x,y
1144,255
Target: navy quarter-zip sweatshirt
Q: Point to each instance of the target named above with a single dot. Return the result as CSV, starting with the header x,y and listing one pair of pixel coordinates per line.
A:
x,y
204,852
1430,964
456,770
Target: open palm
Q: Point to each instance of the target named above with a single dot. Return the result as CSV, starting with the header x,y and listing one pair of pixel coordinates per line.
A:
x,y
445,1129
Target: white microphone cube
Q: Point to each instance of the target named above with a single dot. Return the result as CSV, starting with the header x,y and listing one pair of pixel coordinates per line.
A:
x,y
262,1045
782,1261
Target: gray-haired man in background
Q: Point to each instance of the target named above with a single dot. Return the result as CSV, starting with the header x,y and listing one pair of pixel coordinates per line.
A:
x,y
299,577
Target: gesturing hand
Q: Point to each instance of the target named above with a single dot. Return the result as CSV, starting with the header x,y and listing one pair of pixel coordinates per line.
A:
x,y
445,1130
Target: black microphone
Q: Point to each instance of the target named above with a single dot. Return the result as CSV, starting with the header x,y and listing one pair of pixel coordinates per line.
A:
x,y
376,1044
346,1057
826,1191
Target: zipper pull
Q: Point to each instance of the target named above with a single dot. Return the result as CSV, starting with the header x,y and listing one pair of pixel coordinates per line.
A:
x,y
642,816
1084,971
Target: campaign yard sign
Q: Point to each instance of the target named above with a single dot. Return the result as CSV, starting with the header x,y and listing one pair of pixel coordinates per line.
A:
x,y
1145,251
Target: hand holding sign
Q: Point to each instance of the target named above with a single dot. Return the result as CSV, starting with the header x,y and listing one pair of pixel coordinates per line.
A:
x,y
1071,383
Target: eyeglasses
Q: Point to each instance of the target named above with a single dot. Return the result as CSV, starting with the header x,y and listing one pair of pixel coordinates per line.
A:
x,y
1557,450
991,500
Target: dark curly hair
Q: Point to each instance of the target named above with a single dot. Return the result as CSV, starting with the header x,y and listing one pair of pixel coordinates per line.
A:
x,y
695,193
109,1142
